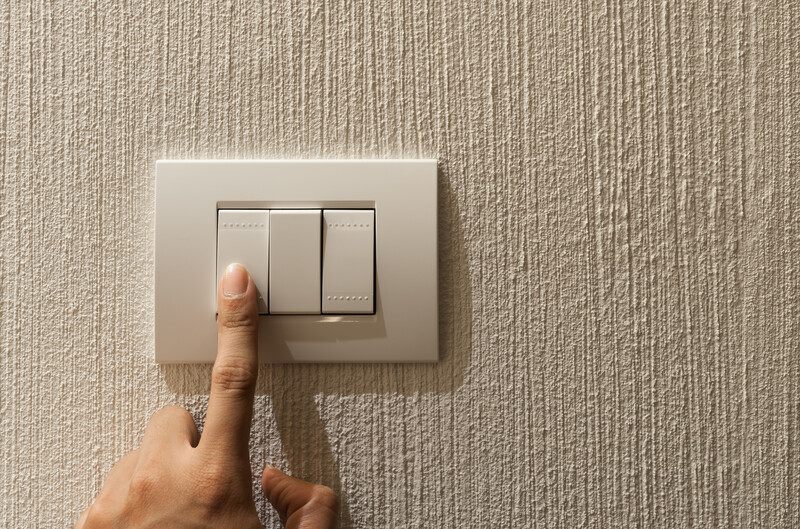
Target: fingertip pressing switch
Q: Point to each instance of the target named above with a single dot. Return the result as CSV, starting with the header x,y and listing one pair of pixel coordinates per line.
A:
x,y
294,272
243,237
348,263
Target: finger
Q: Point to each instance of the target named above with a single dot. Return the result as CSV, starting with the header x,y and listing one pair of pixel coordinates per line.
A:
x,y
233,379
171,426
119,477
82,519
301,504
115,488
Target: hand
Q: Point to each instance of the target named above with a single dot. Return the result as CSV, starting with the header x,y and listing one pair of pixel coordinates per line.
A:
x,y
181,479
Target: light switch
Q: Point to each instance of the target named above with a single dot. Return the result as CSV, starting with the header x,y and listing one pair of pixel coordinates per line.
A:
x,y
294,274
386,261
243,237
348,261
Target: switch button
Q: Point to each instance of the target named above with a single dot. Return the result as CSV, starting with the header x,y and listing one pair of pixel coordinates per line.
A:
x,y
348,261
294,272
243,237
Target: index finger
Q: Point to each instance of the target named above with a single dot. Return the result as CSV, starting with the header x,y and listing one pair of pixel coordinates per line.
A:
x,y
233,378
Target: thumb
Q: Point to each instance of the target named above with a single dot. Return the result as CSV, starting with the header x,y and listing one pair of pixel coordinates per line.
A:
x,y
300,504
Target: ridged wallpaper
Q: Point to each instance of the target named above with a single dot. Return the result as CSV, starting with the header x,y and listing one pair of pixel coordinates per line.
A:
x,y
619,250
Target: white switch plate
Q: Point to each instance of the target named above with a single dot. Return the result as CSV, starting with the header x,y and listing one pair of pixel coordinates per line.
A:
x,y
403,194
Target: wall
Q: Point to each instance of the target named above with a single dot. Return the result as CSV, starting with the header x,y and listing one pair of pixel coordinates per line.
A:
x,y
620,267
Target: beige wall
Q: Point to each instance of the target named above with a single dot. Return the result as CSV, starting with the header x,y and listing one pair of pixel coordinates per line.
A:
x,y
620,258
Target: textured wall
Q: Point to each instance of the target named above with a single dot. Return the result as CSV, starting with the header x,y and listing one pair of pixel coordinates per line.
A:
x,y
620,250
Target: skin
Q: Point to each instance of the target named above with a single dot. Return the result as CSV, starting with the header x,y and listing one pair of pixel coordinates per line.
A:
x,y
179,479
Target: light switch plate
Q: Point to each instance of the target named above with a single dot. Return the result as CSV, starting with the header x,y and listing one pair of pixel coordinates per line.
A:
x,y
403,193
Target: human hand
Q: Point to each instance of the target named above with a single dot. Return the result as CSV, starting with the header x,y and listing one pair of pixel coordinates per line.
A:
x,y
179,479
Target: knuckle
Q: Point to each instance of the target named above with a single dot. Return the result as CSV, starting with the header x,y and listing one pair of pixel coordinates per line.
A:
x,y
233,375
144,486
170,413
100,515
237,318
210,487
281,497
325,497
167,417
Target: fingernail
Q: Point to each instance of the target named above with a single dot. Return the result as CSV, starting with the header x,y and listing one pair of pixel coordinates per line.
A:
x,y
234,283
272,468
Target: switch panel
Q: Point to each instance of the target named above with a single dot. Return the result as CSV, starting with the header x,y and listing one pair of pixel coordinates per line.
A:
x,y
348,262
375,243
294,272
243,237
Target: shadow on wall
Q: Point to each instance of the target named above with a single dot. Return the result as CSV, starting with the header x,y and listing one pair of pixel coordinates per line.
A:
x,y
292,388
